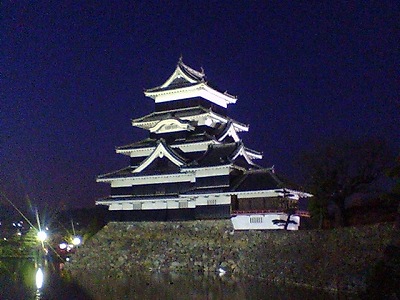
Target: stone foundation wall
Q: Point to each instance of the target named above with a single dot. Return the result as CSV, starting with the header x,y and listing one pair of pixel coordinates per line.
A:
x,y
331,259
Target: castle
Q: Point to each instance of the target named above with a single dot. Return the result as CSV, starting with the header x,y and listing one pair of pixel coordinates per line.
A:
x,y
194,165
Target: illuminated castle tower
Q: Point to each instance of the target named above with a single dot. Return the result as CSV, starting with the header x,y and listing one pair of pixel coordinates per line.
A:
x,y
193,165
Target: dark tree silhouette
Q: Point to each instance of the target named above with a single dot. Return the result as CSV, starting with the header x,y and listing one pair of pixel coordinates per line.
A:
x,y
340,168
395,174
289,207
284,223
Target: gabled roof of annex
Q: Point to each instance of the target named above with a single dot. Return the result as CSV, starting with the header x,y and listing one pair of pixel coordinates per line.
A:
x,y
257,179
267,179
188,83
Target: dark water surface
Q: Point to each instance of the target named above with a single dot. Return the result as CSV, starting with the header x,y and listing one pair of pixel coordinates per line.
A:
x,y
17,281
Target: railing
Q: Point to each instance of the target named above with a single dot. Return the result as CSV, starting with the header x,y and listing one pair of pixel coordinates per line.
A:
x,y
301,213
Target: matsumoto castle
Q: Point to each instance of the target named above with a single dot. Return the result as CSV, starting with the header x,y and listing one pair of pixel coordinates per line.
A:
x,y
194,165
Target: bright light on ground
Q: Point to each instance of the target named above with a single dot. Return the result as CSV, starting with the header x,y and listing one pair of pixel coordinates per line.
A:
x,y
39,278
42,236
76,241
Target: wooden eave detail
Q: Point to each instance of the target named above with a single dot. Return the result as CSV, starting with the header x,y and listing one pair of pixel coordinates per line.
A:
x,y
171,125
252,154
200,89
216,118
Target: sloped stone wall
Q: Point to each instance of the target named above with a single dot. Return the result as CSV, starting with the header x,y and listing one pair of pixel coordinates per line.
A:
x,y
332,259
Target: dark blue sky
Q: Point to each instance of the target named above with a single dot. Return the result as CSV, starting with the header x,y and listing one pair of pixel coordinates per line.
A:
x,y
73,74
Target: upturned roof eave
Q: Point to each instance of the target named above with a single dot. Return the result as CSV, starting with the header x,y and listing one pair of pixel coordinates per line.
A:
x,y
237,124
158,91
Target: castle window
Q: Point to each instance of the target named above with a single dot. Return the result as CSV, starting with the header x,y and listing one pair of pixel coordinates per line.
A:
x,y
211,201
255,219
183,204
137,206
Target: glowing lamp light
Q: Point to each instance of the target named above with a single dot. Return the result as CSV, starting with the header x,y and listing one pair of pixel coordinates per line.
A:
x,y
76,241
39,278
63,246
42,236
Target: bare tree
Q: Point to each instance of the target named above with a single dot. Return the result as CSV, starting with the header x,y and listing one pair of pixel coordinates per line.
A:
x,y
341,168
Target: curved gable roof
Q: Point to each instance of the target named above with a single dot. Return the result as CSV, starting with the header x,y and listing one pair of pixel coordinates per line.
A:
x,y
186,83
183,76
162,150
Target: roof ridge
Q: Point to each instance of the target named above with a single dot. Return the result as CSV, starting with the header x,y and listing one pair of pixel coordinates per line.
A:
x,y
201,75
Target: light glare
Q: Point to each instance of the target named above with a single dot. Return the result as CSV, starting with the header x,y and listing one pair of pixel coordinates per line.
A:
x,y
42,236
76,241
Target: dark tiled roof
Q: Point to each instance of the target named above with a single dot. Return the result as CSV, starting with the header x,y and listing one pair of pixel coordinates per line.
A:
x,y
197,137
148,142
137,198
240,161
211,190
125,172
159,166
253,180
216,155
223,154
177,113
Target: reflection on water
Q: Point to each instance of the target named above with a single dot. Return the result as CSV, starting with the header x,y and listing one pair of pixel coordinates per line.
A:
x,y
170,286
17,281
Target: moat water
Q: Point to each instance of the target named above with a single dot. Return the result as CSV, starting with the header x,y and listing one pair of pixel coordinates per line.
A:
x,y
18,281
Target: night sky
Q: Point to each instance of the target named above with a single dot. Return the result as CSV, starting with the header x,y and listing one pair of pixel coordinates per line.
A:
x,y
73,74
